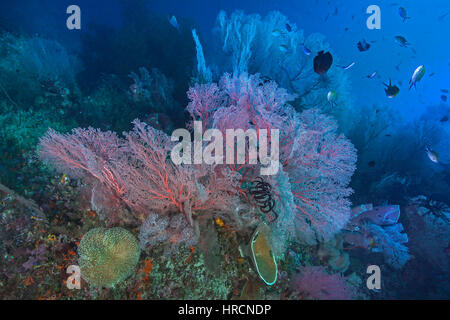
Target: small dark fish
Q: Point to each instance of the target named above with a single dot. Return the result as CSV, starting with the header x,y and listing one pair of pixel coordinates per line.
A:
x,y
444,90
391,91
431,74
363,45
387,135
444,98
346,29
266,79
444,119
322,62
288,27
401,41
336,11
371,164
443,16
403,14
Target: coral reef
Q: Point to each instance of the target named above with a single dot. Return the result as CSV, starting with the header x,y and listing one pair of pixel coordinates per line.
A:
x,y
378,230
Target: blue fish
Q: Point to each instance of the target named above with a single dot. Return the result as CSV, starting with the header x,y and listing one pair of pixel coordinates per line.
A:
x,y
306,50
173,21
371,76
288,27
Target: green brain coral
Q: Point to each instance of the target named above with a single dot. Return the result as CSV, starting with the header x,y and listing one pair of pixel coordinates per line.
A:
x,y
107,256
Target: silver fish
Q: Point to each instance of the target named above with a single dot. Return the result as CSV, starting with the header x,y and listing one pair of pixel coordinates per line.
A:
x,y
348,66
371,76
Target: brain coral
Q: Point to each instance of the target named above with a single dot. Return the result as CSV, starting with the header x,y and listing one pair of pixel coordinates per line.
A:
x,y
107,256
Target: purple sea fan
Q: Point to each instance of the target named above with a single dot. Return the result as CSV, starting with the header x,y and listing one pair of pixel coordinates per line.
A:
x,y
320,167
315,283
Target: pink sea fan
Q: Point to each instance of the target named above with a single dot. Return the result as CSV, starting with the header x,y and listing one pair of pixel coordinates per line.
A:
x,y
316,284
319,162
320,167
138,171
84,153
205,99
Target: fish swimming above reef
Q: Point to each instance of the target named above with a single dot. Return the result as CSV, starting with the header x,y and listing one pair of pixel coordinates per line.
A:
x,y
288,27
372,75
347,66
403,14
444,98
391,91
331,97
417,75
283,48
402,41
433,155
322,62
363,45
276,32
306,50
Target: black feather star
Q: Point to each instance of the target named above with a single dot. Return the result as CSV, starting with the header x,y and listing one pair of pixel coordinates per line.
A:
x,y
263,196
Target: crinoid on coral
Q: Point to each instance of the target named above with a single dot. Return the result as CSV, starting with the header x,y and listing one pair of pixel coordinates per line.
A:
x,y
318,161
108,256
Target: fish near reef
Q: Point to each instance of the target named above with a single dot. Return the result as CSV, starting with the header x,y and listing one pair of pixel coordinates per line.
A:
x,y
417,76
306,50
363,45
322,62
391,91
402,13
401,41
332,97
432,155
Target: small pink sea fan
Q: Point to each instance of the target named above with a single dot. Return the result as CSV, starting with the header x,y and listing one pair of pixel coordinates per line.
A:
x,y
315,283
